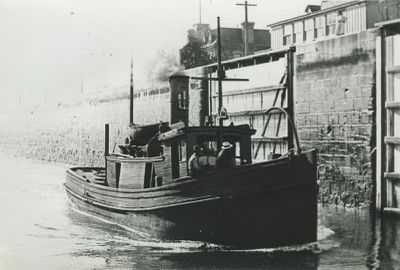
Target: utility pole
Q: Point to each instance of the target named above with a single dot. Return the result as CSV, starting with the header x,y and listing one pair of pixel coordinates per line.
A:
x,y
81,84
246,45
200,11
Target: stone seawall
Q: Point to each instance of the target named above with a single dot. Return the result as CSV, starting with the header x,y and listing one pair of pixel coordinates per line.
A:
x,y
334,109
74,134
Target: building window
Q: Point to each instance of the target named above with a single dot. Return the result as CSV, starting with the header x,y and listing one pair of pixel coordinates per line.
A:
x,y
330,24
320,26
309,29
298,32
287,40
288,34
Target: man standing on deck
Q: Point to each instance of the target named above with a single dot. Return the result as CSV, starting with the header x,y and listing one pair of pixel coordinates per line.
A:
x,y
226,157
194,164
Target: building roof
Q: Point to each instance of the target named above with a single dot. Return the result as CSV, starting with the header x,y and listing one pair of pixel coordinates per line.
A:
x,y
234,35
322,11
312,8
261,36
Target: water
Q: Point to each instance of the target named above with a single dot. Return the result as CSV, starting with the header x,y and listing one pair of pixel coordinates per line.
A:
x,y
40,230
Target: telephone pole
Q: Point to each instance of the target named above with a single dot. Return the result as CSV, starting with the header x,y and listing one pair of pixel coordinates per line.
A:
x,y
246,45
200,11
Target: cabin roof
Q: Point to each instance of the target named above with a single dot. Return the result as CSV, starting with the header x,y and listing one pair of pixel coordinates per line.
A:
x,y
240,129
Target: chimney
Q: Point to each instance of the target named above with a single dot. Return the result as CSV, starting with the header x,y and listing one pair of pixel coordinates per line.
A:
x,y
249,28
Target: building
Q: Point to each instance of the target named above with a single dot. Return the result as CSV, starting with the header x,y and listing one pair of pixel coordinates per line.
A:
x,y
232,39
319,22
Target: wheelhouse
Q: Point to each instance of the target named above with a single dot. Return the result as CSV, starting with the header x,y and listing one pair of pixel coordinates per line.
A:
x,y
211,139
125,171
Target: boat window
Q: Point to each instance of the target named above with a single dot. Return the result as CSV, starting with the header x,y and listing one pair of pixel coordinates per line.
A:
x,y
182,100
182,151
208,143
237,149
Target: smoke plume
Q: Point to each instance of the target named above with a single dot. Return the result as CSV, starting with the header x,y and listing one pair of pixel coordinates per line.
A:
x,y
165,64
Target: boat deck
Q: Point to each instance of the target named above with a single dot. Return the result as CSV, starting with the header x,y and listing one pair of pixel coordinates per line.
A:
x,y
93,175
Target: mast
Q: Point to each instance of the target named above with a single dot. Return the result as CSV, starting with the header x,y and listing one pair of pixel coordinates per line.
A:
x,y
200,11
220,75
131,96
220,72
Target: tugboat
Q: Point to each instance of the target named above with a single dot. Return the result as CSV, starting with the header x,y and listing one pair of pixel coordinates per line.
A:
x,y
149,186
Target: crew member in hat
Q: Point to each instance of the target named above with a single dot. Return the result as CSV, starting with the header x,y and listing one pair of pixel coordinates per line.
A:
x,y
226,157
195,169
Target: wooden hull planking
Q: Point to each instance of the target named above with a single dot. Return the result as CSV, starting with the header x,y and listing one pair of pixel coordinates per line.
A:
x,y
267,204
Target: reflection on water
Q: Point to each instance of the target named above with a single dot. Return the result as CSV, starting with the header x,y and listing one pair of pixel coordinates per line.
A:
x,y
39,229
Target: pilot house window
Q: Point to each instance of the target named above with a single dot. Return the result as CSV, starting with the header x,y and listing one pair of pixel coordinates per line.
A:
x,y
182,100
182,151
208,143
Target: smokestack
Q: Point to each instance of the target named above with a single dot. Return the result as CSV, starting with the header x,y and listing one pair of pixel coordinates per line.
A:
x,y
179,96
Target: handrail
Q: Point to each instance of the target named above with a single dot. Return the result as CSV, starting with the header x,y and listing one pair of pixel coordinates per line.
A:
x,y
298,148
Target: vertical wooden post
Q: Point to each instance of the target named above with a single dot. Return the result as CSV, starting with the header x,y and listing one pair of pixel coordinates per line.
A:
x,y
210,94
390,121
290,101
381,186
106,146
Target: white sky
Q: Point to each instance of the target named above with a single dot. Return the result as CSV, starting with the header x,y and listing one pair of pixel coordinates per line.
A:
x,y
47,46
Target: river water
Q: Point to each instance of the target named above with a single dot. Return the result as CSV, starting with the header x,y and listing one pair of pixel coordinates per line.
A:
x,y
39,229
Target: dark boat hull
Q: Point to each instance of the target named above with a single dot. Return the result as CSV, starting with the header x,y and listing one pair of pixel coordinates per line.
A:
x,y
264,206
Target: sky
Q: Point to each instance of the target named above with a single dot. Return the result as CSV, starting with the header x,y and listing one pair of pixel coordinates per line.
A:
x,y
50,49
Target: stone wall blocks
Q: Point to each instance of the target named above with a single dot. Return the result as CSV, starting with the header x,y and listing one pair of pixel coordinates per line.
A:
x,y
334,118
326,84
334,83
343,105
335,93
365,80
301,120
316,107
323,119
366,91
302,107
362,103
328,106
352,92
303,134
348,81
312,119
